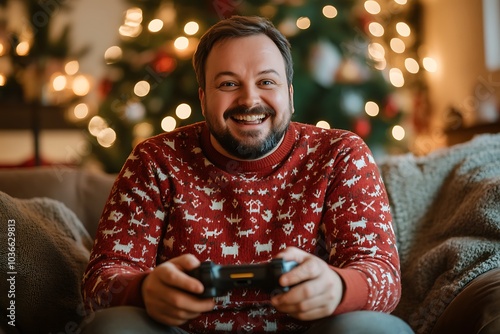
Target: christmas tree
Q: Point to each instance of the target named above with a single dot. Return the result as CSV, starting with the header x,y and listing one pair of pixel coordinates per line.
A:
x,y
151,87
39,70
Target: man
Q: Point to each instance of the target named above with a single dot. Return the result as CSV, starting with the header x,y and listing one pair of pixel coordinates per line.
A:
x,y
246,186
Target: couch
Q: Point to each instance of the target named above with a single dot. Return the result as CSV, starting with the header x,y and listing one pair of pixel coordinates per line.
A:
x,y
446,214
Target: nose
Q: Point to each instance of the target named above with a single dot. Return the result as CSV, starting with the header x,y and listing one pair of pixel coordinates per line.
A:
x,y
249,96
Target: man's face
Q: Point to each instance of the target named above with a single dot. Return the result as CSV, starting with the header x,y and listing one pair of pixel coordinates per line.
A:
x,y
246,102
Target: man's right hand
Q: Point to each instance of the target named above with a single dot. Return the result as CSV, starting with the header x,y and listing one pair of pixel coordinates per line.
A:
x,y
169,293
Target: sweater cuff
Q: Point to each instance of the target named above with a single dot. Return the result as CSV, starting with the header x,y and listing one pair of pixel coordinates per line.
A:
x,y
131,295
355,296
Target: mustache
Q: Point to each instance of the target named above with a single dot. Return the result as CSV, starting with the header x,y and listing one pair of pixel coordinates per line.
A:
x,y
240,110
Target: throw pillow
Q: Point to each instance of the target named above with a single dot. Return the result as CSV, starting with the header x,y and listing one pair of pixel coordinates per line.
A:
x,y
44,250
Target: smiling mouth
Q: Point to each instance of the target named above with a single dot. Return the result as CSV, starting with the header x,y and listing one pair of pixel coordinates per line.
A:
x,y
250,119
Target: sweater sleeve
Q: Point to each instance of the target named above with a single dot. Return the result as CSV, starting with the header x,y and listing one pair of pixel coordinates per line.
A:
x,y
129,231
359,233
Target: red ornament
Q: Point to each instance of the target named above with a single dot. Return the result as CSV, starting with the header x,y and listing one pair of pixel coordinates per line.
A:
x,y
390,108
362,127
105,87
163,63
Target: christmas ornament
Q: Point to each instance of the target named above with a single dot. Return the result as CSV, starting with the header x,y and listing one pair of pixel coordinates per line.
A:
x,y
324,62
391,109
135,111
352,102
105,87
163,63
362,127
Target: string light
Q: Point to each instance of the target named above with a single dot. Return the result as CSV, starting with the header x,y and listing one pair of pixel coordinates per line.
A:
x,y
330,11
323,125
128,31
168,124
372,109
133,17
142,88
23,49
372,7
411,65
430,64
398,132
396,77
59,82
71,67
403,29
96,125
191,28
376,29
81,110
303,23
106,137
397,45
155,25
81,85
181,43
376,51
113,54
132,25
183,111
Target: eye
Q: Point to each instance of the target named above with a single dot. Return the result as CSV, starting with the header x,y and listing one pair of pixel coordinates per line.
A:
x,y
227,85
266,83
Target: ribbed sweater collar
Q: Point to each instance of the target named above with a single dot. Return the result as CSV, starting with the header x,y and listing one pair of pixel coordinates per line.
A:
x,y
264,165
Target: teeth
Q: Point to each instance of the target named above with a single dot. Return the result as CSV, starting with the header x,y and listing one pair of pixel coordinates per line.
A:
x,y
249,118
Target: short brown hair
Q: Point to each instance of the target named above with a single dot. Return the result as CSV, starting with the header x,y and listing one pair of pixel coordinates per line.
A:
x,y
240,26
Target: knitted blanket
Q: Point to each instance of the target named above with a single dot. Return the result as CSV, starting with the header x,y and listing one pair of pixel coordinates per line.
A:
x,y
44,250
446,215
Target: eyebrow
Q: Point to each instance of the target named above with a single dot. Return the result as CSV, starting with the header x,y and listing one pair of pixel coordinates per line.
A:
x,y
232,74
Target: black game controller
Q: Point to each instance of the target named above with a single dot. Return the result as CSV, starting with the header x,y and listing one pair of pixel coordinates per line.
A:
x,y
218,280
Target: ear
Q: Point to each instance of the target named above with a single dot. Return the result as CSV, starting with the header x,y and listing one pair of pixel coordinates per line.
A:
x,y
201,96
290,93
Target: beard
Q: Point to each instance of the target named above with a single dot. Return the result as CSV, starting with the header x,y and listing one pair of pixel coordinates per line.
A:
x,y
252,148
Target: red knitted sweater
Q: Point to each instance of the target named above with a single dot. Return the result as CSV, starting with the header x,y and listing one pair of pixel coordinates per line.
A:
x,y
319,191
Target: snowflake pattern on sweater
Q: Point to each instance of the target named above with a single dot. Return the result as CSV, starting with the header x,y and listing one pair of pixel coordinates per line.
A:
x,y
319,191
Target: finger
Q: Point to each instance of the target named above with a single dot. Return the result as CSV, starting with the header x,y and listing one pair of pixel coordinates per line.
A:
x,y
312,307
170,315
293,254
312,313
185,301
186,262
173,306
171,274
298,294
309,269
